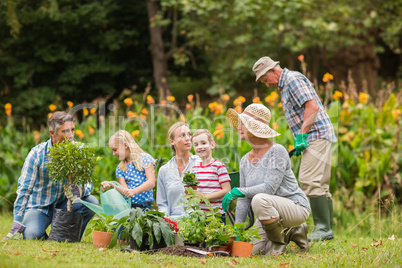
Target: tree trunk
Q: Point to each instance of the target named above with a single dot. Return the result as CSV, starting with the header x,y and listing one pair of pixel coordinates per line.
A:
x,y
361,61
69,202
157,48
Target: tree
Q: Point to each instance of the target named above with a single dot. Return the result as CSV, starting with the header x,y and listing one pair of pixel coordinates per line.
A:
x,y
70,50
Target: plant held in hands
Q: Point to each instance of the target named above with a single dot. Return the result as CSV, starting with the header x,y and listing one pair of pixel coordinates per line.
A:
x,y
72,162
189,179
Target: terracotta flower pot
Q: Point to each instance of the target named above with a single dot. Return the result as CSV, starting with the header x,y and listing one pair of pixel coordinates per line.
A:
x,y
101,239
242,249
230,243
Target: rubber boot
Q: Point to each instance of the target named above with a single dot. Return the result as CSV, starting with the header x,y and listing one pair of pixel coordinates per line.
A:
x,y
276,234
331,212
299,236
321,209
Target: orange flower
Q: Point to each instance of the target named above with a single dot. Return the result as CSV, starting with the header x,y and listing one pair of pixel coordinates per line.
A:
x,y
143,116
91,130
337,95
280,105
8,106
36,136
182,118
396,113
225,97
150,100
92,111
86,112
219,131
190,97
101,118
301,57
238,109
363,97
327,77
49,115
290,147
219,109
79,133
52,107
70,104
163,102
144,111
275,125
135,133
188,106
257,100
170,98
128,102
212,106
239,101
270,99
131,114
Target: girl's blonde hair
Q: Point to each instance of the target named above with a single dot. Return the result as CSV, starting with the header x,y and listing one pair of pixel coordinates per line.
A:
x,y
123,137
203,131
171,133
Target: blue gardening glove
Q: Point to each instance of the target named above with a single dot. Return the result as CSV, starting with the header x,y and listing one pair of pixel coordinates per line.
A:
x,y
73,191
300,143
16,230
229,196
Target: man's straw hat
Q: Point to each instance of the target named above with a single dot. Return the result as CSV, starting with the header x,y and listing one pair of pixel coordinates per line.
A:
x,y
255,118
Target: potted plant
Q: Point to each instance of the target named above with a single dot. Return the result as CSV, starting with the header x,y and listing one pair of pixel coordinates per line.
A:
x,y
243,247
217,233
102,229
192,224
190,181
71,163
144,230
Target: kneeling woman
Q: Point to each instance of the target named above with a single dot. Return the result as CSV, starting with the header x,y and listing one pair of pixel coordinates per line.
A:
x,y
267,183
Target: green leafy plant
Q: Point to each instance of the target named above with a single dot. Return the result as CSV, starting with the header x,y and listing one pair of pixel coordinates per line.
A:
x,y
139,225
72,163
216,232
245,235
189,179
192,224
106,224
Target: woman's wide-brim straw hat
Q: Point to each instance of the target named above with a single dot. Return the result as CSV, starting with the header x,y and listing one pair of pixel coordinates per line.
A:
x,y
255,118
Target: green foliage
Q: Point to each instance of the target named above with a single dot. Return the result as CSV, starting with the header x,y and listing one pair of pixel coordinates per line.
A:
x,y
216,232
189,179
72,162
244,235
192,223
106,224
142,224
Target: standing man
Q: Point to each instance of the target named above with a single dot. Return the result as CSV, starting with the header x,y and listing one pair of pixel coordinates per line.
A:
x,y
313,133
38,195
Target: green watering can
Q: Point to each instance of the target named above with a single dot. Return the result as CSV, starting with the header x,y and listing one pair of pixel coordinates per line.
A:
x,y
112,203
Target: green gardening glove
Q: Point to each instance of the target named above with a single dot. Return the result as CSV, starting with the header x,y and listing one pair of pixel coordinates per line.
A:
x,y
300,143
229,196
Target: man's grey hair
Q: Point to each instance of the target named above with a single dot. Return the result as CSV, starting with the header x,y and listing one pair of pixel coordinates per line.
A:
x,y
57,119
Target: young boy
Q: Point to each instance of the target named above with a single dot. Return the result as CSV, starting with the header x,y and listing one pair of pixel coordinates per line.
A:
x,y
211,173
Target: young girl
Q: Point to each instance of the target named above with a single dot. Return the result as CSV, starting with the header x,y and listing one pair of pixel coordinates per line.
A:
x,y
135,172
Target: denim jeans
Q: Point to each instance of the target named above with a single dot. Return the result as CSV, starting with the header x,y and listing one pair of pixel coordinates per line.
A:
x,y
145,206
36,222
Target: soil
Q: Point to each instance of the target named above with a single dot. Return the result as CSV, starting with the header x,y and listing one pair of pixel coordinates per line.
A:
x,y
177,250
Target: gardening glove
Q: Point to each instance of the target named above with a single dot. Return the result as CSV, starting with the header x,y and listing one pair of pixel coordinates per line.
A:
x,y
229,196
16,230
300,143
73,191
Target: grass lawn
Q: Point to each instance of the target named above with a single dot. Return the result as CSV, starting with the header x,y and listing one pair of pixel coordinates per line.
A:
x,y
361,240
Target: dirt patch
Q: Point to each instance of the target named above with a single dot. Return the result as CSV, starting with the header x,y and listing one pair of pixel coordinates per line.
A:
x,y
177,250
